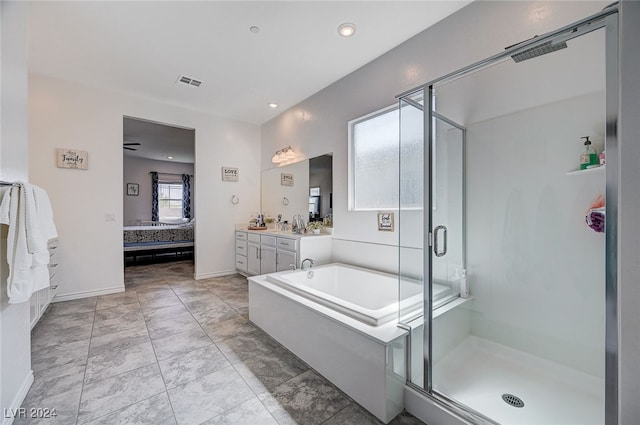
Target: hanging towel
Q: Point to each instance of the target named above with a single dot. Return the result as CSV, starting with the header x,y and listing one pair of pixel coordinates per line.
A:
x,y
27,211
596,214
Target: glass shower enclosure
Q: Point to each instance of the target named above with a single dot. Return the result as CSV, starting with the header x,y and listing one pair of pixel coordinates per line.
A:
x,y
492,233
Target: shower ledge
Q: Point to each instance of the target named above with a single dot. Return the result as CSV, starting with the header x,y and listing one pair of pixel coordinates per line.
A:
x,y
587,171
450,306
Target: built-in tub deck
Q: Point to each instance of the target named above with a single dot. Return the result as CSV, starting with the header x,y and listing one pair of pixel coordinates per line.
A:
x,y
366,295
341,320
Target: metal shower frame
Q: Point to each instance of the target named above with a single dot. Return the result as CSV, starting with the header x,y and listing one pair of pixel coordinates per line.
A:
x,y
608,19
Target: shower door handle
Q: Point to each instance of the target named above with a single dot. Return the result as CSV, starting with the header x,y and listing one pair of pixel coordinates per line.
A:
x,y
435,241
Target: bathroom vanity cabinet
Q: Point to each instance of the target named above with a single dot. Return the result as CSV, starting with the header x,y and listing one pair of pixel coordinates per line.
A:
x,y
263,252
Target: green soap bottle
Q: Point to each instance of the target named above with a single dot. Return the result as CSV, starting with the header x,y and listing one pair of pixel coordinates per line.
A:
x,y
589,155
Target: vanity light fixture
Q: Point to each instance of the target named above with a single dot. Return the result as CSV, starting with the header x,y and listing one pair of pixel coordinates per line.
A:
x,y
272,105
347,29
284,154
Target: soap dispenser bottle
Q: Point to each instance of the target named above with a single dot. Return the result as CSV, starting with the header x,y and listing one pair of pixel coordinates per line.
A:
x,y
589,155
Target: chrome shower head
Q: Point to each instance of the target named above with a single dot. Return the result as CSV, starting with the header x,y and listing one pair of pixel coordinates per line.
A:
x,y
539,50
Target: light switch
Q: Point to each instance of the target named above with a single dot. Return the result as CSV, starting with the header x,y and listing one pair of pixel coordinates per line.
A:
x,y
110,217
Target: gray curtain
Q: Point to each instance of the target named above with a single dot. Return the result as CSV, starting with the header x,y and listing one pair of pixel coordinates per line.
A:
x,y
186,196
154,196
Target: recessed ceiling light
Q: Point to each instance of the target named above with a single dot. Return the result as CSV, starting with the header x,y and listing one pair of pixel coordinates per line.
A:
x,y
169,157
347,29
272,105
254,29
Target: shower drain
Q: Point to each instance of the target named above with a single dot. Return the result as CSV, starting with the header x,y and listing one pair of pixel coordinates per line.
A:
x,y
513,400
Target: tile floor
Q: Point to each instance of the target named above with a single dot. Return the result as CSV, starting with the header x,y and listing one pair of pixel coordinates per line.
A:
x,y
172,350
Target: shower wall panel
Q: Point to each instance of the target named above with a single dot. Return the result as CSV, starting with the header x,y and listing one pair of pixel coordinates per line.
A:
x,y
536,269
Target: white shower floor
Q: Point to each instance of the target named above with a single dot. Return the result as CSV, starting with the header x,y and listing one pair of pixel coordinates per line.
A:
x,y
477,373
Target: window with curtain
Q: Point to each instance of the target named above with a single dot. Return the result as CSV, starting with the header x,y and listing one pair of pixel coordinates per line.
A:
x,y
170,198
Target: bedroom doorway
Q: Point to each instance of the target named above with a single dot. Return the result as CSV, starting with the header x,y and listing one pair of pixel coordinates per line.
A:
x,y
158,193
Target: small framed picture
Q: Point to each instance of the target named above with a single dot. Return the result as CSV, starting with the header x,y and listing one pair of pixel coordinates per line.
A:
x,y
385,221
230,174
71,158
133,189
286,179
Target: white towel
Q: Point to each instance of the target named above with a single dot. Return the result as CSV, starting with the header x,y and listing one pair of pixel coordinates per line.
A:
x,y
27,211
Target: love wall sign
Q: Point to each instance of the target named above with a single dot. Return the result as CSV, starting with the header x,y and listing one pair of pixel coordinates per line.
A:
x,y
230,174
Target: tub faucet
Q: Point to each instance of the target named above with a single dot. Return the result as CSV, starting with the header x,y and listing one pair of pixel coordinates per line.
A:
x,y
311,263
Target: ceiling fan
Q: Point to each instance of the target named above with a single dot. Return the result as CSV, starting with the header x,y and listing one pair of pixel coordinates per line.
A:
x,y
127,145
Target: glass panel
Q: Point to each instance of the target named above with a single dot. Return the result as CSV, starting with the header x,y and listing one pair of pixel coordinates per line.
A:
x,y
410,211
447,210
411,227
533,330
447,263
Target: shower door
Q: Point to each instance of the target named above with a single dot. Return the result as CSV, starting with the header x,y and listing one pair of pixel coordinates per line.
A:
x,y
428,279
447,221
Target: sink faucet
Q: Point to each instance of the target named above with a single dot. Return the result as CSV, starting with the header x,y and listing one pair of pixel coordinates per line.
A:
x,y
311,263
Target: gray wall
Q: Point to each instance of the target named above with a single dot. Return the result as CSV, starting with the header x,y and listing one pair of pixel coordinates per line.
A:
x,y
629,206
136,170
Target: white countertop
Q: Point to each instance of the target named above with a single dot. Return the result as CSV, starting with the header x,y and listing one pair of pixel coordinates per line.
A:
x,y
280,233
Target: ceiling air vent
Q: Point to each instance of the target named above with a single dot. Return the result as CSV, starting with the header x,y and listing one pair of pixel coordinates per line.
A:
x,y
183,79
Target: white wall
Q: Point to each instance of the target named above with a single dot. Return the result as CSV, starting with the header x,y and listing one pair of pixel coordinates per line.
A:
x,y
64,114
136,170
319,124
15,342
14,163
536,270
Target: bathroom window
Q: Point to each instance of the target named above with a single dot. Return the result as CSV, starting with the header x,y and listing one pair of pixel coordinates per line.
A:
x,y
373,161
170,200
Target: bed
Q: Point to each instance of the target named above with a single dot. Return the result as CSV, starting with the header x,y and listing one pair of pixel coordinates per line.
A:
x,y
158,241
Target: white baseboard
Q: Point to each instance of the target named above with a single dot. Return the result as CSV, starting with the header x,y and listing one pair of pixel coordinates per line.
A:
x,y
18,399
87,294
199,276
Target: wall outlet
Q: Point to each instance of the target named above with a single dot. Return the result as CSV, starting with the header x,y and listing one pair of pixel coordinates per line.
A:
x,y
110,218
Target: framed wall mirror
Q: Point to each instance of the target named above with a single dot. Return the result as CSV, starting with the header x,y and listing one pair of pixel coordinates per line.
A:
x,y
310,195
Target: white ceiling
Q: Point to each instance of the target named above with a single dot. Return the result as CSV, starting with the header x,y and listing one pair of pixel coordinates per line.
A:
x,y
142,47
159,141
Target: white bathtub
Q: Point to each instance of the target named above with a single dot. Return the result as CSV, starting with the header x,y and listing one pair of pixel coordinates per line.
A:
x,y
341,320
366,295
